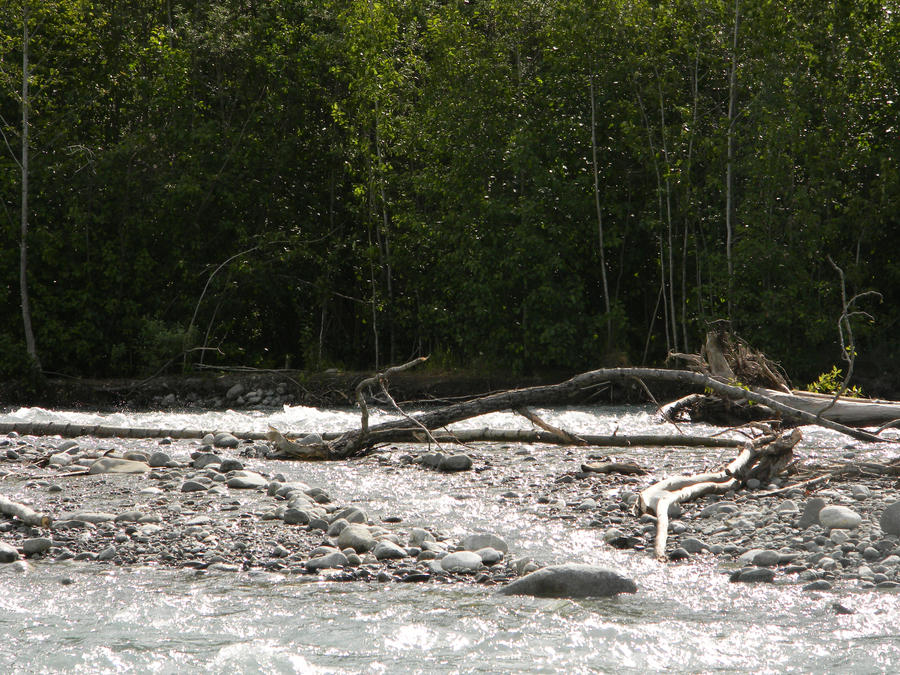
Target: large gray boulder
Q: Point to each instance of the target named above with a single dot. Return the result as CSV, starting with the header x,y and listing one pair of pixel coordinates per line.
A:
x,y
571,580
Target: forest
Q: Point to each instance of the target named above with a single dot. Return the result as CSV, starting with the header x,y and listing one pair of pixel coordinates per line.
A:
x,y
519,185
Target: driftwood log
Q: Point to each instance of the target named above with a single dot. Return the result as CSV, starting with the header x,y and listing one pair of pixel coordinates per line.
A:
x,y
359,441
418,427
24,513
763,458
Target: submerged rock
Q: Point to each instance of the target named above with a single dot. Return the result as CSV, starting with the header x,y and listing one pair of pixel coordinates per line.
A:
x,y
571,580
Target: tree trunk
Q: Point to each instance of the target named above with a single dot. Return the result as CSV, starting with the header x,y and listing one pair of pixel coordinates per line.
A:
x,y
23,242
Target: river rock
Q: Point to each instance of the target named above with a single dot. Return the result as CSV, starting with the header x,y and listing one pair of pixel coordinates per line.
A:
x,y
225,440
890,519
388,550
352,514
36,545
192,486
419,535
571,580
836,517
692,545
474,542
204,459
356,536
8,553
107,554
60,459
327,561
461,561
117,465
231,464
454,463
247,480
810,515
159,459
754,575
296,517
489,556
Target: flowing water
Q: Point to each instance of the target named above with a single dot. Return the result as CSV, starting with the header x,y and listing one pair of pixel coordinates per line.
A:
x,y
684,618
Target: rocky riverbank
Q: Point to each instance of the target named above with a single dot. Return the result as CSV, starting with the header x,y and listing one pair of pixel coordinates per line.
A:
x,y
203,506
219,504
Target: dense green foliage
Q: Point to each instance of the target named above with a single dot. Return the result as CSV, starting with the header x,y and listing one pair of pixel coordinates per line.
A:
x,y
352,182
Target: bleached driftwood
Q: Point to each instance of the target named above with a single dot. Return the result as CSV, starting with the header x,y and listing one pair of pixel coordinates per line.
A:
x,y
25,514
762,458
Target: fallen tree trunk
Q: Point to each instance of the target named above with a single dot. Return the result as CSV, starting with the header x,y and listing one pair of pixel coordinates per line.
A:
x,y
356,442
855,412
359,441
764,458
312,447
412,435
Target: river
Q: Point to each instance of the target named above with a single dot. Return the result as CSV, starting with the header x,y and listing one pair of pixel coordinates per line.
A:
x,y
684,618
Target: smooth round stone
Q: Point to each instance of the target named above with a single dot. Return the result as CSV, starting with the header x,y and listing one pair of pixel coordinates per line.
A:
x,y
838,537
860,492
489,556
890,519
461,561
225,440
231,464
388,550
836,517
418,536
205,459
352,514
679,554
116,465
571,580
8,553
192,486
454,463
159,459
692,545
107,554
474,542
754,575
247,480
431,459
36,546
356,536
295,517
818,585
